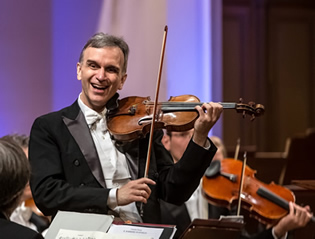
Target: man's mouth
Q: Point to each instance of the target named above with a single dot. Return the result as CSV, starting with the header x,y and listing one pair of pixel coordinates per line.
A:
x,y
99,87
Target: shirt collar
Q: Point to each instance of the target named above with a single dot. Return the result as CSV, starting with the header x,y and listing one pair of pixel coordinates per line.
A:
x,y
91,116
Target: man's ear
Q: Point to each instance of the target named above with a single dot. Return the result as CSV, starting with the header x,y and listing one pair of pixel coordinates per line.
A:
x,y
79,71
122,82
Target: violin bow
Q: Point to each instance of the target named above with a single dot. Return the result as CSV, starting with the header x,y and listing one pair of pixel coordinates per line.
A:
x,y
157,90
241,184
237,149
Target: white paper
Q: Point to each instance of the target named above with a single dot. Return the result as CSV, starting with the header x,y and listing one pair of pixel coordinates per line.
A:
x,y
66,234
147,232
78,222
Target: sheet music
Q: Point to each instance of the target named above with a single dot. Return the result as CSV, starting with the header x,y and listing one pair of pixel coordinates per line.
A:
x,y
66,234
139,232
78,222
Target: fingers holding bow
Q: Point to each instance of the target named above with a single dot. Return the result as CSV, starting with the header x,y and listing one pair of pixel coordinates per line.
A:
x,y
134,191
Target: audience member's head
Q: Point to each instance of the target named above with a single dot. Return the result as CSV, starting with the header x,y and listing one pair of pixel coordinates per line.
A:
x,y
20,139
176,143
14,175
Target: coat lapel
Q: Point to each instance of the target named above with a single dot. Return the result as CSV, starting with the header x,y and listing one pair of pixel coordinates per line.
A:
x,y
131,151
81,133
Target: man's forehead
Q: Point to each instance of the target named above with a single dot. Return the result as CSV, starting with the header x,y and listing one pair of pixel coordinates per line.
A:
x,y
90,52
116,48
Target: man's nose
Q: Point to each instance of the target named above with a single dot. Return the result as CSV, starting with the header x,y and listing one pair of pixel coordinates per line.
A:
x,y
101,74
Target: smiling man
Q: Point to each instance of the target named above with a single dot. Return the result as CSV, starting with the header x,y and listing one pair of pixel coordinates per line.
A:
x,y
77,166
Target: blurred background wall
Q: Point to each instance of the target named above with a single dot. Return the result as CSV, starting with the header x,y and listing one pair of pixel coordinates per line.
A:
x,y
40,42
219,50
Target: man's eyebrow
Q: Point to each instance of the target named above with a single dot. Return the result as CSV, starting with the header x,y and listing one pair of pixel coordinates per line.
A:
x,y
113,66
91,61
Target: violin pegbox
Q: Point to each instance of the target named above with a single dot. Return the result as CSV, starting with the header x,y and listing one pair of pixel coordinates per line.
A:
x,y
252,109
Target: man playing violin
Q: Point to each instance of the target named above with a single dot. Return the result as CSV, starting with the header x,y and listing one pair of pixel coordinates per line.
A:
x,y
197,206
77,166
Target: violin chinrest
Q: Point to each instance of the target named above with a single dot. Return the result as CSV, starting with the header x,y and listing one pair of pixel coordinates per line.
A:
x,y
214,169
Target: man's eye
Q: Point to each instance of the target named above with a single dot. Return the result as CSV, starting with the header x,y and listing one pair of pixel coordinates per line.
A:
x,y
112,69
92,65
184,134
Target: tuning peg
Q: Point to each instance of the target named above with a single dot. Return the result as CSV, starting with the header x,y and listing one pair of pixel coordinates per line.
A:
x,y
251,104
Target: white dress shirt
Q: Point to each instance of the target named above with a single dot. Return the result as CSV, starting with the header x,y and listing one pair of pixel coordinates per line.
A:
x,y
197,205
22,216
113,162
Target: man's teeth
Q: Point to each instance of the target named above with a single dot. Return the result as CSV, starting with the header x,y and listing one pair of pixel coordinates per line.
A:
x,y
99,87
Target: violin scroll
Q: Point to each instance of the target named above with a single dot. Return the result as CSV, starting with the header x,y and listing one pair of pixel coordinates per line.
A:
x,y
252,109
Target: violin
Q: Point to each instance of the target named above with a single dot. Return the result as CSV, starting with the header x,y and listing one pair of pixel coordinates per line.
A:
x,y
268,203
134,115
31,204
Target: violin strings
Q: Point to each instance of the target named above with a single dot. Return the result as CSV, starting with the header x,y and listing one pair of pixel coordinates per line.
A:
x,y
188,106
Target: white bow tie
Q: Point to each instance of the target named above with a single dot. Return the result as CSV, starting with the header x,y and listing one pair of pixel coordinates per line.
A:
x,y
92,118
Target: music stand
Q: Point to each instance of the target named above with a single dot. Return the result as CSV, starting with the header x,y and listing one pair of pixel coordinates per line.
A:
x,y
212,228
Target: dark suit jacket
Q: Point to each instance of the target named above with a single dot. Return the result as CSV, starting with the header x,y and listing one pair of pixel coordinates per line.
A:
x,y
12,230
266,234
67,174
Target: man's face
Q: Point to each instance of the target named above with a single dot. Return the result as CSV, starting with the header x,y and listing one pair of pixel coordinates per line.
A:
x,y
101,75
178,143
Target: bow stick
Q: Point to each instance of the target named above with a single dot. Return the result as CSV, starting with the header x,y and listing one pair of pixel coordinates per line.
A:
x,y
154,109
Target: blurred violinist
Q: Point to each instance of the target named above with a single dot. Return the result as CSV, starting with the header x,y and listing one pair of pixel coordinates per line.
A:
x,y
296,218
78,166
198,207
26,212
14,175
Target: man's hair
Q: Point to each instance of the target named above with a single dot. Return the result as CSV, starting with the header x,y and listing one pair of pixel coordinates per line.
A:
x,y
100,40
14,174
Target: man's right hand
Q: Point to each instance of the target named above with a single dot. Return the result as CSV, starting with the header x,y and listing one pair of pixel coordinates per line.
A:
x,y
134,191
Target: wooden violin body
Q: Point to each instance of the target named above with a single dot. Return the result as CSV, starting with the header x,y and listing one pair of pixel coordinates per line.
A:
x,y
134,115
31,204
222,191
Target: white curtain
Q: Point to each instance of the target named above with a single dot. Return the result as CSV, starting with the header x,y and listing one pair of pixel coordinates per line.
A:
x,y
141,23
